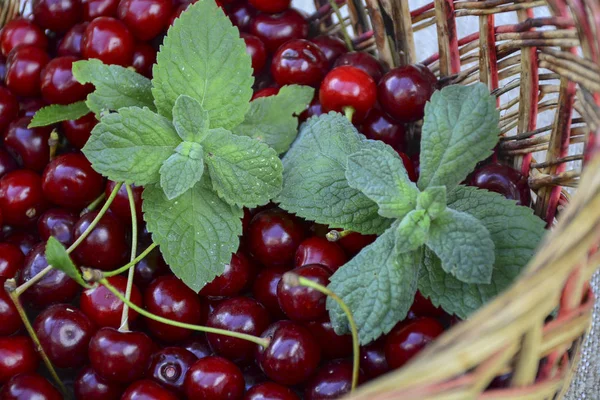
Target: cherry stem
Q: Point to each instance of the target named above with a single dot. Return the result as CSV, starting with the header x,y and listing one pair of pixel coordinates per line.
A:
x,y
93,205
345,34
254,339
334,236
11,288
134,234
293,279
53,143
34,279
131,263
349,112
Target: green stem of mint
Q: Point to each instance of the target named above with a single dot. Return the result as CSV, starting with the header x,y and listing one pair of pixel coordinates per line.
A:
x,y
343,29
94,204
131,263
199,328
349,113
134,234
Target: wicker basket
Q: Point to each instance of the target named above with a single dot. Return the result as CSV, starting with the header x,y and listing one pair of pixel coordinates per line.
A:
x,y
546,65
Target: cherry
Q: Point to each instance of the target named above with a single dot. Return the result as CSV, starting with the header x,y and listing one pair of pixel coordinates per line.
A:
x,y
214,378
265,290
108,40
274,236
407,339
120,356
150,268
25,65
57,222
313,109
2,68
58,84
253,375
364,61
9,108
7,162
90,386
25,241
238,314
93,9
299,62
29,386
332,345
170,298
379,126
238,273
270,6
70,44
318,250
332,381
17,356
348,86
120,205
301,303
11,260
21,198
354,242
241,15
56,15
404,91
292,354
270,391
30,106
266,92
503,179
198,346
145,18
276,29
422,307
78,131
11,321
28,145
21,32
147,390
372,359
331,46
106,247
169,367
255,48
144,57
103,308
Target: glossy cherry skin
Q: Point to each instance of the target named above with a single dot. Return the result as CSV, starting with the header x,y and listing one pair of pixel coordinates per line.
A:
x,y
58,84
407,339
270,6
28,145
299,62
241,15
332,381
21,32
106,247
264,290
145,18
237,275
331,46
31,105
150,268
238,314
7,162
354,242
364,61
318,250
169,366
11,260
70,44
144,57
379,126
301,303
292,354
57,222
120,356
276,29
29,386
2,69
170,298
266,92
25,65
25,241
214,378
120,205
422,307
78,131
255,48
270,391
90,386
9,108
103,308
332,345
56,15
348,86
108,40
403,92
147,390
17,356
313,109
505,180
93,9
198,346
11,321
372,359
21,198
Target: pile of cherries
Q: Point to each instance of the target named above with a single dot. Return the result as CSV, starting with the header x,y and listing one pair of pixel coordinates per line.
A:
x,y
47,187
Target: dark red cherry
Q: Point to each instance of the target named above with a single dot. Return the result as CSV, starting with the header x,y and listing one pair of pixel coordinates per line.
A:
x,y
21,32
21,198
56,15
408,164
11,321
25,241
78,131
364,61
379,126
2,68
145,18
120,356
503,179
93,9
170,298
169,366
17,356
28,145
90,386
198,346
332,381
241,15
354,242
25,65
256,50
177,12
270,6
266,92
9,108
407,339
270,391
70,44
30,106
299,62
403,92
265,290
372,359
106,247
147,390
108,40
29,386
313,109
103,308
58,84
144,57
7,162
276,29
331,46
214,378
11,260
332,345
150,268
345,87
253,375
301,303
237,275
422,307
57,222
120,205
238,314
318,250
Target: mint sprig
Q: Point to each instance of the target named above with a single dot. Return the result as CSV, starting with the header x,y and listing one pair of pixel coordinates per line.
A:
x,y
54,113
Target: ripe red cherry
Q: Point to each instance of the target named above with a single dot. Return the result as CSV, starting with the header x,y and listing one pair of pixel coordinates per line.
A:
x,y
144,57
150,268
299,62
256,50
90,386
25,241
57,222
332,345
331,46
241,15
214,378
21,32
169,367
7,162
120,205
106,247
266,92
265,290
379,126
314,108
103,308
58,84
504,180
404,91
11,260
407,339
56,15
198,346
170,298
120,356
29,386
21,198
332,381
108,40
78,131
372,359
364,61
25,65
28,145
17,356
270,391
11,321
2,68
276,29
145,18
237,276
301,303
238,314
147,390
422,307
318,250
354,242
70,44
348,86
270,6
93,9
9,108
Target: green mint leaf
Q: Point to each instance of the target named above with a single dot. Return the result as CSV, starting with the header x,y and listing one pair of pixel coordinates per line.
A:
x,y
516,233
432,200
314,177
116,87
197,232
271,119
190,119
243,170
182,170
131,145
54,113
378,286
413,231
204,57
57,256
381,176
464,246
459,130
